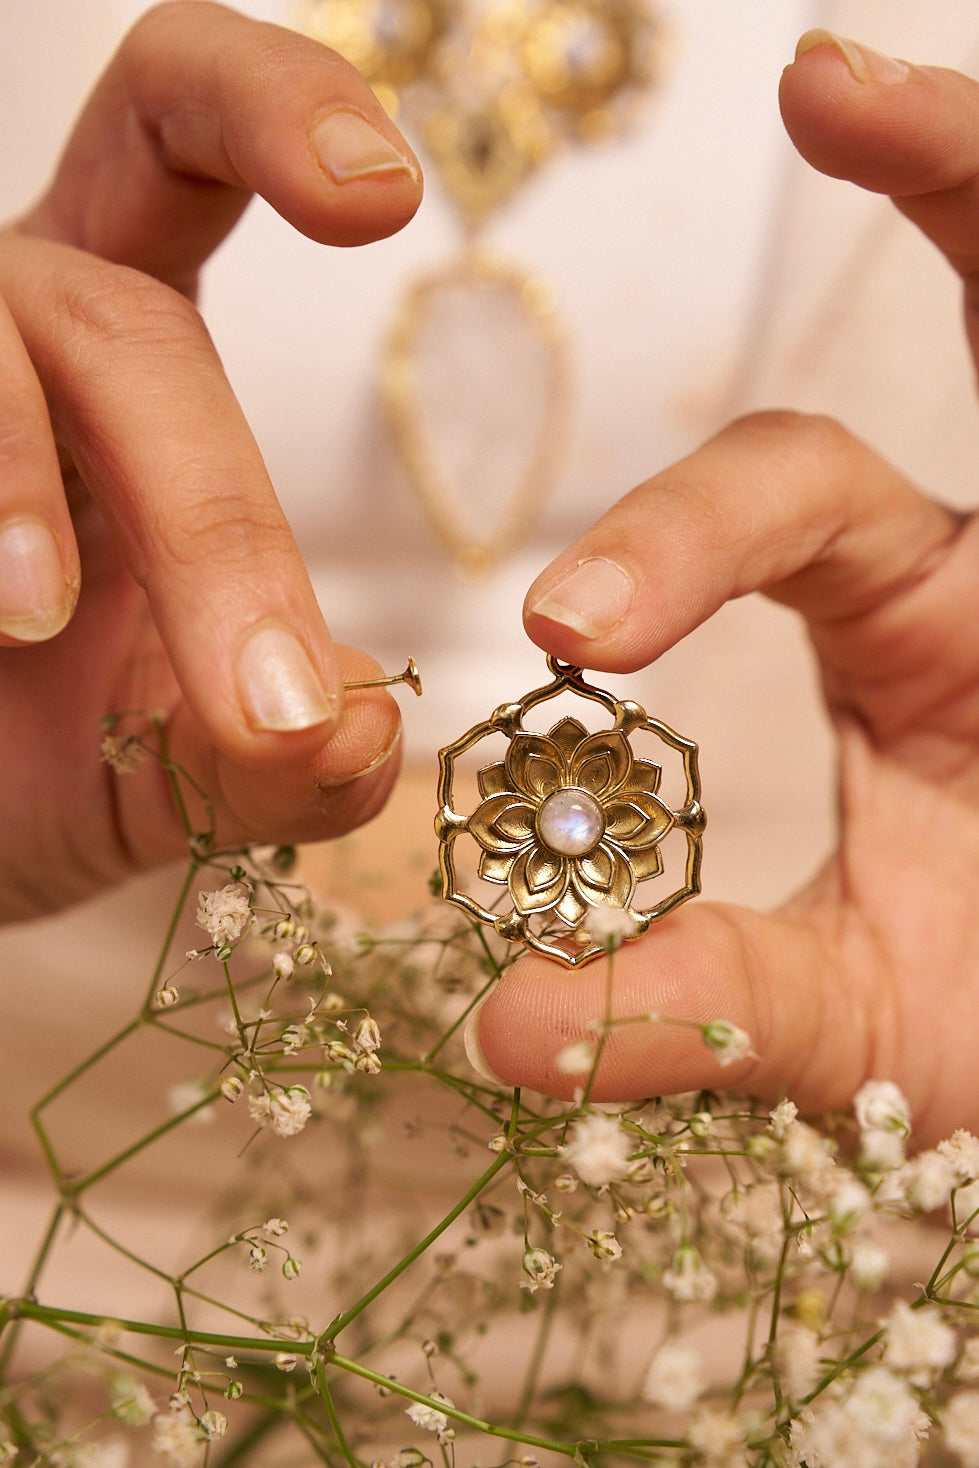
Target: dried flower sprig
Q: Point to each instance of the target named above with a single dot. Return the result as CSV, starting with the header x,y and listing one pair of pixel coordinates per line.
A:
x,y
537,1274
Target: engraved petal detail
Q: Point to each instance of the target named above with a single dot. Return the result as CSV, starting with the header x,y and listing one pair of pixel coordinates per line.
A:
x,y
534,765
602,763
537,881
503,823
638,821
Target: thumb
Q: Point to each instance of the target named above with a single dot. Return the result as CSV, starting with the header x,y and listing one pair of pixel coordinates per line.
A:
x,y
771,976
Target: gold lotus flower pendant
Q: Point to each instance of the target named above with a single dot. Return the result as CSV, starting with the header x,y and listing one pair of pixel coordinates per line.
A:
x,y
570,822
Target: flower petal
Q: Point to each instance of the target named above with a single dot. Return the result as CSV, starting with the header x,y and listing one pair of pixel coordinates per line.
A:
x,y
492,779
567,735
604,877
571,909
537,880
534,765
645,775
648,863
602,762
502,823
495,866
637,821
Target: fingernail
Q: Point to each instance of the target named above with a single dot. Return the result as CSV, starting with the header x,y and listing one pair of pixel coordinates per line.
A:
x,y
591,600
349,147
865,64
474,1050
36,600
279,687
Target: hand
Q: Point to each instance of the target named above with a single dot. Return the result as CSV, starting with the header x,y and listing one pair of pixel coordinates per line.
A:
x,y
144,560
873,969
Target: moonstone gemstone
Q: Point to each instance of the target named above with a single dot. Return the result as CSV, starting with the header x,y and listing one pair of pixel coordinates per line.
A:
x,y
570,821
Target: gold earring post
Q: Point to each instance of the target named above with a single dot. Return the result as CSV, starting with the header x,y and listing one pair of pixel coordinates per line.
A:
x,y
411,676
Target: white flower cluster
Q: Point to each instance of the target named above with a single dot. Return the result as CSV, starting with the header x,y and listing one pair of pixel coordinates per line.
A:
x,y
225,914
284,1110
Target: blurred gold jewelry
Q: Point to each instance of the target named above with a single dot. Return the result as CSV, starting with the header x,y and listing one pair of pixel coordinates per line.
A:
x,y
496,89
514,470
570,822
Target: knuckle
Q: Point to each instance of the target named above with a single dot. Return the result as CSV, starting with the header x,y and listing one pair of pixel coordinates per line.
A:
x,y
116,308
789,430
221,526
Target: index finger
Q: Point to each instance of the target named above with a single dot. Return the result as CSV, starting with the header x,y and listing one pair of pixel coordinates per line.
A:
x,y
894,128
202,107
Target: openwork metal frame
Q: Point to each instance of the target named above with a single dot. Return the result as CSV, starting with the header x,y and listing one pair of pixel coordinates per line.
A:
x,y
554,883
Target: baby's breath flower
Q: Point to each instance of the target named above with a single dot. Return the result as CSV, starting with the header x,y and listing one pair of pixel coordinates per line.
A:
x,y
967,1207
604,1245
718,1438
960,1427
338,1052
848,1203
293,1038
130,1402
285,1361
609,927
961,1150
881,1151
285,1111
967,1366
796,1359
576,1058
541,1269
928,1180
806,1155
675,1377
869,1264
234,1390
918,1342
598,1149
258,1258
124,755
274,1228
728,1042
688,1277
884,1407
224,914
368,1063
231,1088
783,1115
213,1425
430,1418
367,1035
166,997
283,966
292,1267
306,954
565,1183
176,1442
881,1106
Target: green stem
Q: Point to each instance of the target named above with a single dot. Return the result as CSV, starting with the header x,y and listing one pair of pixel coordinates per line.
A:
x,y
193,867
331,1413
537,1359
479,1424
343,1320
40,1259
54,1316
457,1024
161,1131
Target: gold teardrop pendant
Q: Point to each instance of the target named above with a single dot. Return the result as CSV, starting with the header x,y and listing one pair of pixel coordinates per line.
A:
x,y
475,381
